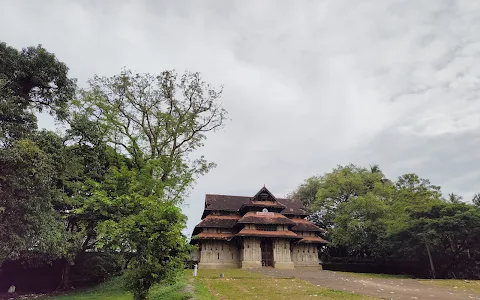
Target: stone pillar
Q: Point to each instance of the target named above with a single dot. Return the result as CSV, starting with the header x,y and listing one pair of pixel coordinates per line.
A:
x,y
252,255
281,254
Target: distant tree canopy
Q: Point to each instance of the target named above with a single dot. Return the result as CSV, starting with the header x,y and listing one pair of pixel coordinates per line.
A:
x,y
367,215
114,180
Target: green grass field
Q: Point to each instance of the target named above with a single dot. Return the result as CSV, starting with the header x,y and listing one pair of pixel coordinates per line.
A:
x,y
242,285
236,285
113,290
239,284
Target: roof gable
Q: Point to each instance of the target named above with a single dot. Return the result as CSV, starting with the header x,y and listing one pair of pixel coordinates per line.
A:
x,y
264,195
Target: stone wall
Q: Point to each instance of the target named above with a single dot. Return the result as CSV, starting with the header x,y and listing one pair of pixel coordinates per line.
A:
x,y
281,254
305,255
218,254
251,253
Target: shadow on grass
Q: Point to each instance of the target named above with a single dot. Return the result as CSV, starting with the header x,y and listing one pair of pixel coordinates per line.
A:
x,y
113,289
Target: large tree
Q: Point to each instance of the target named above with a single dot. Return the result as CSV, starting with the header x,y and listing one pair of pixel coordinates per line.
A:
x,y
158,120
367,214
31,80
115,179
154,123
344,184
447,235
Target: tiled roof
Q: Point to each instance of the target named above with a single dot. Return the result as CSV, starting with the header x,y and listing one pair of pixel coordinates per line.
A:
x,y
224,202
280,211
219,221
312,240
234,203
261,233
254,203
212,221
293,207
212,236
305,225
271,218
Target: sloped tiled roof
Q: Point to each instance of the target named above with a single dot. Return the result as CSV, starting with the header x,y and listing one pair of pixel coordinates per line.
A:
x,y
212,221
224,202
219,221
293,207
269,204
261,233
234,203
219,208
213,236
272,218
305,225
312,240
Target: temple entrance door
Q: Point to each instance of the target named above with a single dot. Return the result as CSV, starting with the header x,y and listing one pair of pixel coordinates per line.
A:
x,y
267,253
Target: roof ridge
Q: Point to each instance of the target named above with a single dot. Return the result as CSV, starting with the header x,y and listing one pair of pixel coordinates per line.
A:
x,y
226,195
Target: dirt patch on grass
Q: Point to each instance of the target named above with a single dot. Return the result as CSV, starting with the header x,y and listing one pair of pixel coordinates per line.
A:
x,y
456,284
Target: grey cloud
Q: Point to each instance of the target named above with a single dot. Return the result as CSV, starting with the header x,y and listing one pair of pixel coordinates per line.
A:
x,y
308,84
449,160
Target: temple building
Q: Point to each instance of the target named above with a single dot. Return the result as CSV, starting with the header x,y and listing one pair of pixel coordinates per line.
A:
x,y
254,232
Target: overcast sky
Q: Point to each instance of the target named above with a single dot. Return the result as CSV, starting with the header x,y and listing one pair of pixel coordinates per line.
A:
x,y
308,84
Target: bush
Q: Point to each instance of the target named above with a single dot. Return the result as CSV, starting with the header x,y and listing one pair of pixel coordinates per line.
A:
x,y
96,267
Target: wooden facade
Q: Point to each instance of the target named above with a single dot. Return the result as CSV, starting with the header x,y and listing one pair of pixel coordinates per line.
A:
x,y
254,232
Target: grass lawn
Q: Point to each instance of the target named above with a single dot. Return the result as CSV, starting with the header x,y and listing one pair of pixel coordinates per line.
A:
x,y
113,290
239,284
456,284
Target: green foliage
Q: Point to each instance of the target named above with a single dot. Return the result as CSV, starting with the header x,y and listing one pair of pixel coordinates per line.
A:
x,y
359,224
306,193
144,227
413,190
96,267
31,79
28,220
16,121
157,120
36,79
152,124
476,199
114,289
453,198
347,183
114,181
368,215
175,291
452,232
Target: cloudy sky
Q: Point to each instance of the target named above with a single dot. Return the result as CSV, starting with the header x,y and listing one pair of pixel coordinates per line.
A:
x,y
308,84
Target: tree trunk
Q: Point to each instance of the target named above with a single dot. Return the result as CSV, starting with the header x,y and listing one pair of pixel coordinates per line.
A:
x,y
432,268
65,283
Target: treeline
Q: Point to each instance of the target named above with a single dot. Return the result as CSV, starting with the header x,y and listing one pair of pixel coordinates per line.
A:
x,y
112,180
371,218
